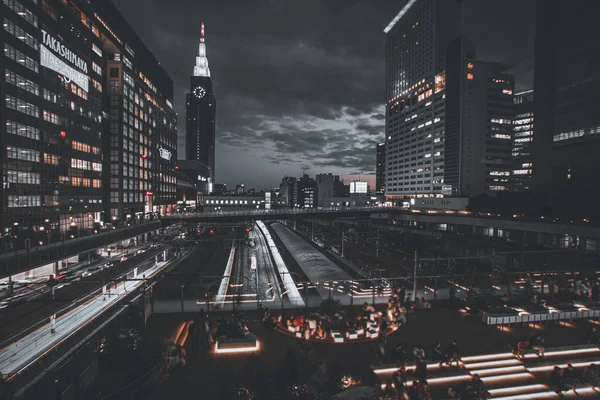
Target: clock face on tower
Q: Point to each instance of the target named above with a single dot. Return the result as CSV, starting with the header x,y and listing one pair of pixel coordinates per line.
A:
x,y
199,92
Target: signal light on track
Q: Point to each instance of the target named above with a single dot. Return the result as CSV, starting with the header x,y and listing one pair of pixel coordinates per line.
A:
x,y
198,231
212,231
247,230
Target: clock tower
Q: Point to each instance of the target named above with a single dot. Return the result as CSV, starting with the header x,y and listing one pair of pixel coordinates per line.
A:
x,y
201,113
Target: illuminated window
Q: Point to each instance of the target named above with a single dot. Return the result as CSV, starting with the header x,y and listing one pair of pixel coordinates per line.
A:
x,y
507,91
470,65
96,68
22,11
21,58
470,76
96,49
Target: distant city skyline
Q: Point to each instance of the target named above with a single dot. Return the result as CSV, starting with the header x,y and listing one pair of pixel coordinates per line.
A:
x,y
310,96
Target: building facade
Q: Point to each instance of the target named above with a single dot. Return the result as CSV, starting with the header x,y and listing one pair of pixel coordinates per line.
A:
x,y
201,113
140,133
324,188
288,191
478,127
380,169
567,96
307,192
339,188
58,113
416,45
51,121
523,123
197,173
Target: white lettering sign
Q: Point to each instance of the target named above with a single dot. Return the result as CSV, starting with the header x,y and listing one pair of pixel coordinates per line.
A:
x,y
164,153
49,60
60,49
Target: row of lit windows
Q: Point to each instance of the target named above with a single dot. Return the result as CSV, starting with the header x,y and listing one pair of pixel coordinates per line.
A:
x,y
97,50
239,202
23,201
53,118
20,34
21,58
86,165
63,101
85,182
22,106
74,89
20,82
51,159
97,85
22,11
87,22
23,177
576,134
22,154
19,129
128,197
84,147
128,79
96,68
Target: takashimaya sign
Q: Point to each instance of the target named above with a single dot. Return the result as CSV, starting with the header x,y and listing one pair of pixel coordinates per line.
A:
x,y
49,59
52,43
164,153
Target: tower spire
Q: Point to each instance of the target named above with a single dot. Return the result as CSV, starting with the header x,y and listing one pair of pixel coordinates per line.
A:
x,y
201,67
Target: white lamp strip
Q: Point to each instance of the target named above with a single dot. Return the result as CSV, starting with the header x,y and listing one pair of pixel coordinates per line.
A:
x,y
517,389
552,394
565,352
500,363
575,365
502,370
486,357
488,379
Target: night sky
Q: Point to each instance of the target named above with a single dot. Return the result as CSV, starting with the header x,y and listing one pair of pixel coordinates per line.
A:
x,y
300,84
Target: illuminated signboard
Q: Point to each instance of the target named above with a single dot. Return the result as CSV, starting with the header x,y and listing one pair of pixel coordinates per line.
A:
x,y
49,52
165,154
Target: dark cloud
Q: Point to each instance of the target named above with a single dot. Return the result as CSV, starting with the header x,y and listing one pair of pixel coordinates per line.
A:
x,y
301,83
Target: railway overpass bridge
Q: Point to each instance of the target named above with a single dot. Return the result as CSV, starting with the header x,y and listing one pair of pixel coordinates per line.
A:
x,y
515,228
14,262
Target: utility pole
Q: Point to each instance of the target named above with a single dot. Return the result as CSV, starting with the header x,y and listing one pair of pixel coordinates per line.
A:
x,y
414,296
377,243
312,230
342,242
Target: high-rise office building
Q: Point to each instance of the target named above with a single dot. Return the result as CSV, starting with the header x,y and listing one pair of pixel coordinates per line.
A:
x,y
478,126
140,134
523,123
201,113
307,188
79,83
380,169
567,96
288,190
416,46
324,188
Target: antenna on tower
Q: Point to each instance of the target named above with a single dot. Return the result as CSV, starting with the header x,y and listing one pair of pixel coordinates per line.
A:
x,y
202,31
